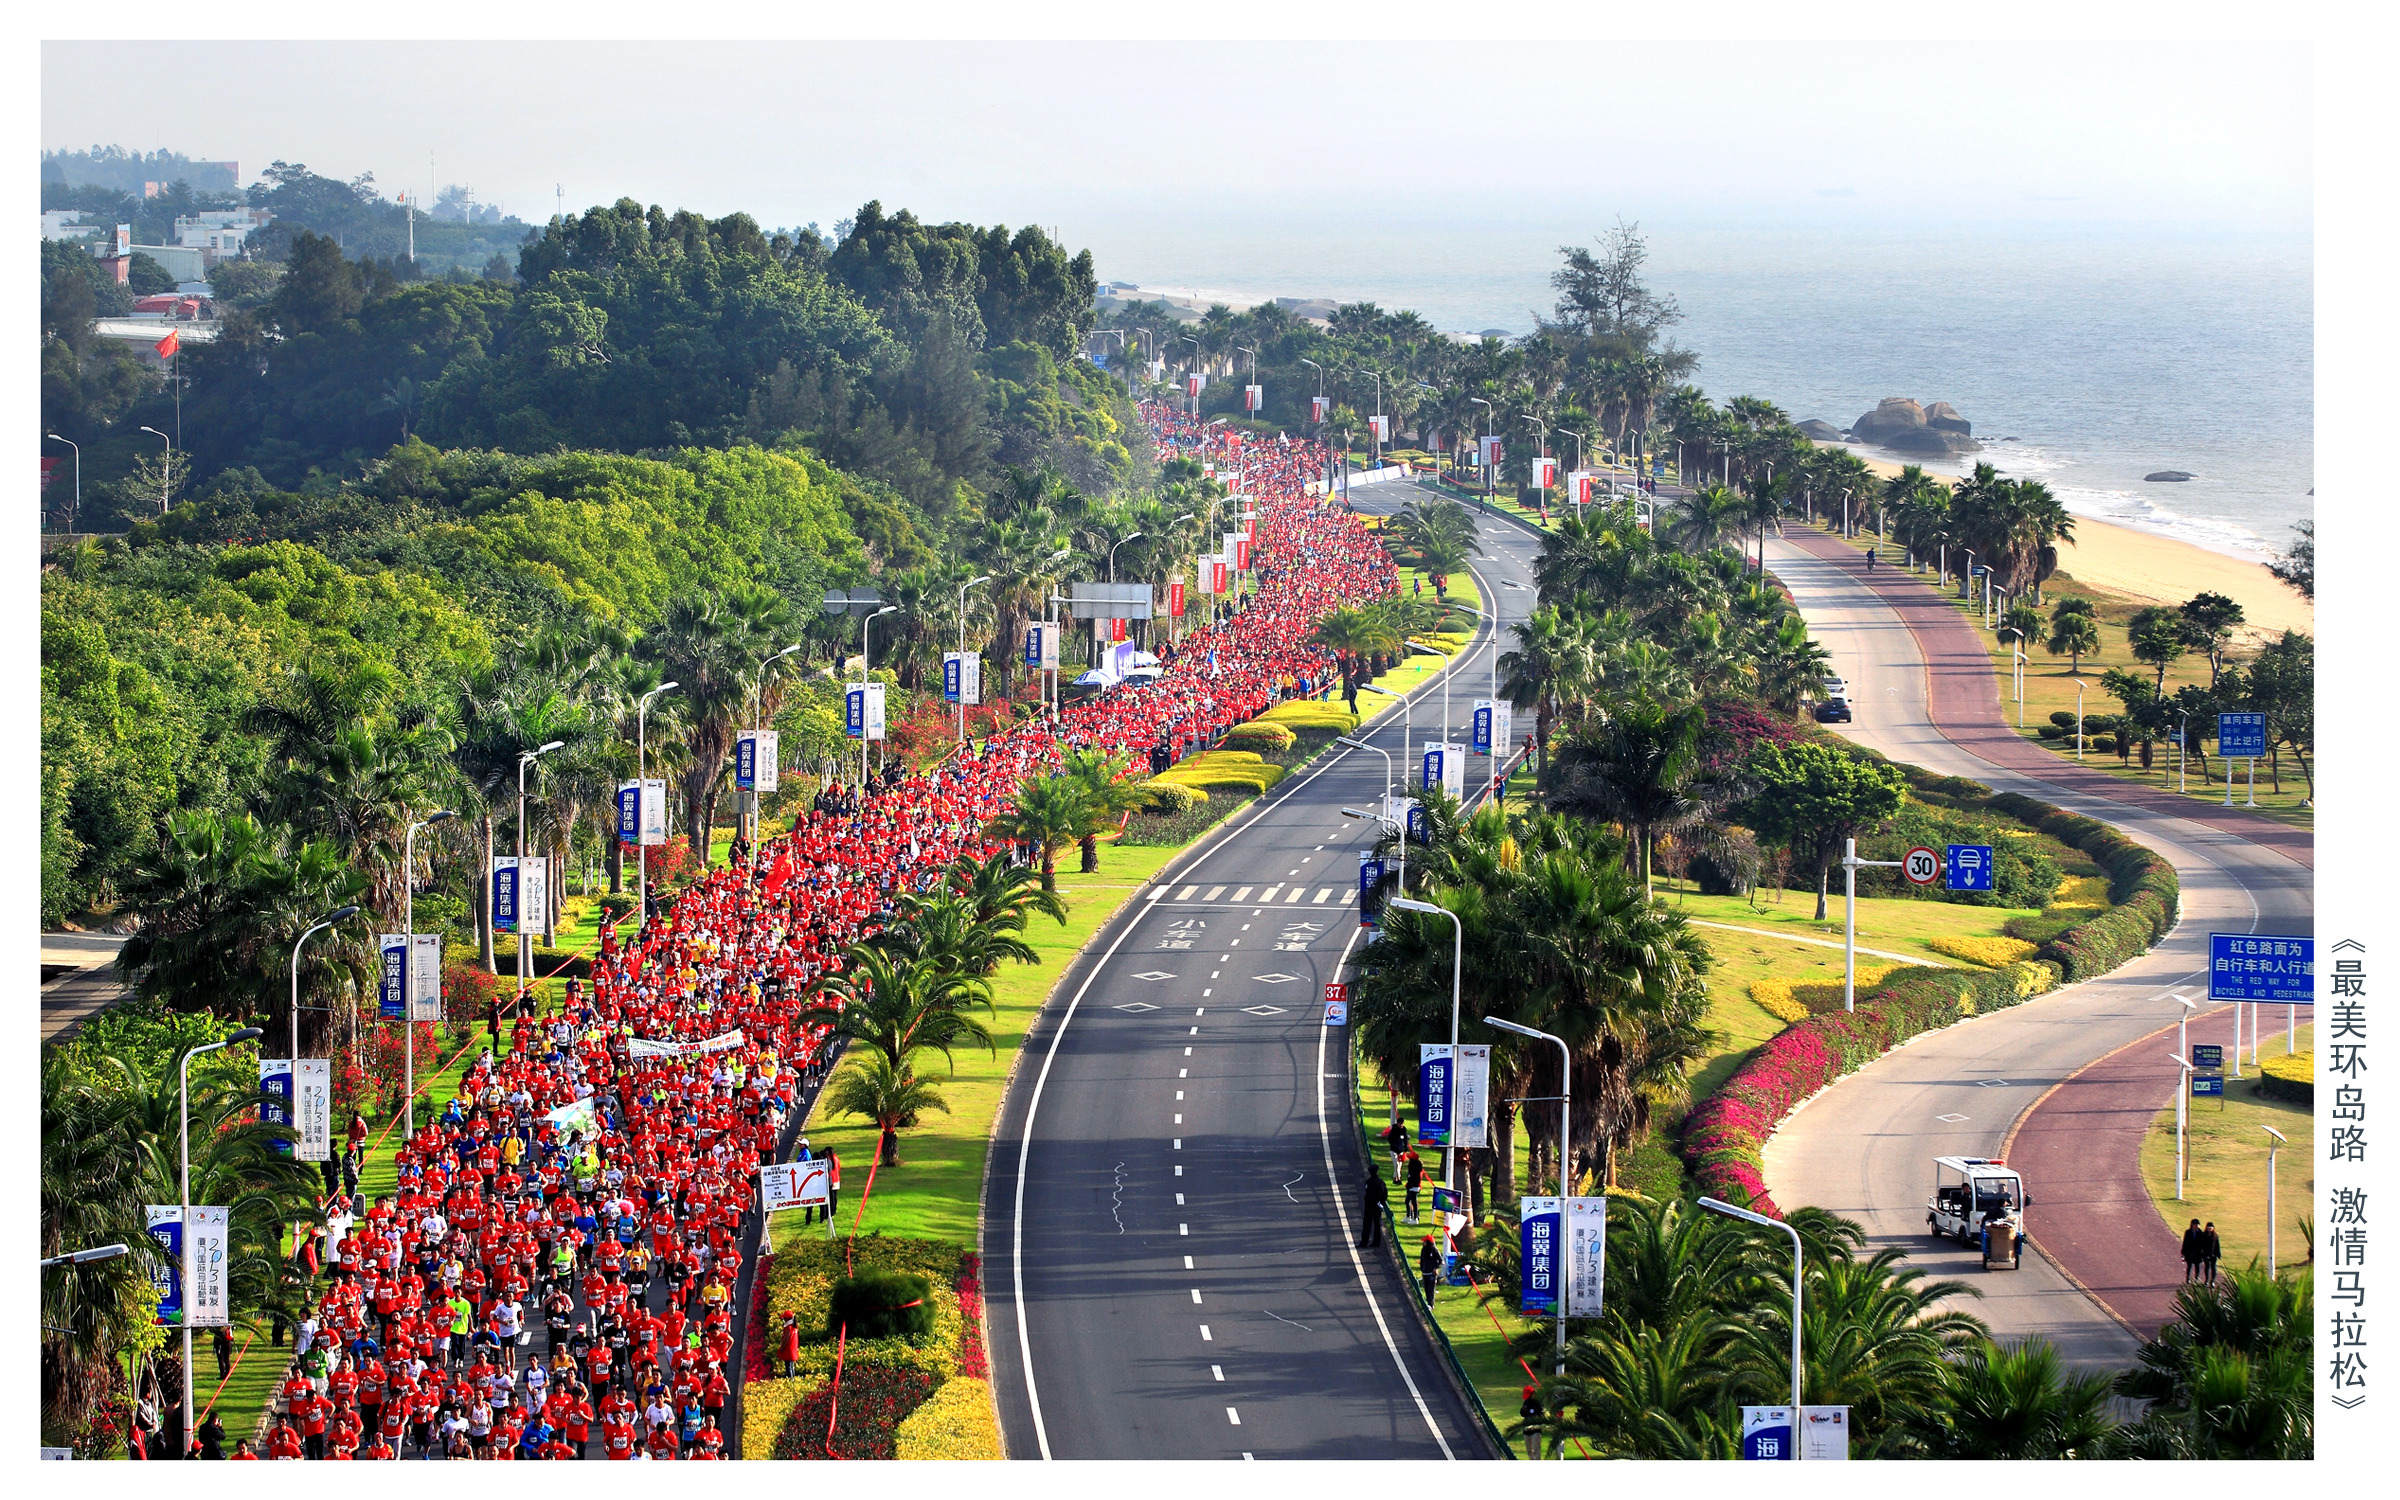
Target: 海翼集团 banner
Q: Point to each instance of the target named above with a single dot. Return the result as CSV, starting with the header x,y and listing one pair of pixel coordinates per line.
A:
x,y
962,677
1537,1255
1492,727
312,1102
642,813
166,1273
391,976
1433,1094
505,893
1445,767
862,711
1587,1255
1041,647
756,756
1470,1093
275,1081
207,1237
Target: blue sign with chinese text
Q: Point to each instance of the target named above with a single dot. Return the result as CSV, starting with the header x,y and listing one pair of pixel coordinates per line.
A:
x,y
1433,1095
2242,736
2207,1055
1537,1255
2208,1085
2262,966
1970,867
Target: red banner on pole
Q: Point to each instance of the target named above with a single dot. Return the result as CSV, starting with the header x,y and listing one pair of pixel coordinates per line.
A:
x,y
1175,598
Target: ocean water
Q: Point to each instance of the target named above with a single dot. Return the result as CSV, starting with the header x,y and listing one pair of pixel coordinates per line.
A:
x,y
2086,355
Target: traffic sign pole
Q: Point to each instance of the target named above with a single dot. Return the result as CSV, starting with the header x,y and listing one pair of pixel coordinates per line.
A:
x,y
1851,865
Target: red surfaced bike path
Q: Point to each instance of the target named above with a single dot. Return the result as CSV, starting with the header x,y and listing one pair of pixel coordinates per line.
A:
x,y
2081,1142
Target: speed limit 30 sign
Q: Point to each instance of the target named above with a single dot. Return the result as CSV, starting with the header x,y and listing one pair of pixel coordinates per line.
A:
x,y
1922,866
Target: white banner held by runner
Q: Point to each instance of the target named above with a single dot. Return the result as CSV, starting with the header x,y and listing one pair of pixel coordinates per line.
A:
x,y
312,1101
207,1233
642,1046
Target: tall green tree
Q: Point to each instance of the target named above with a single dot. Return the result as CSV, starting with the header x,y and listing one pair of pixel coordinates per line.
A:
x,y
1812,797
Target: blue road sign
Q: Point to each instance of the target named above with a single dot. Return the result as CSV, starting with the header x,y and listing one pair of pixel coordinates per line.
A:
x,y
2207,1055
2242,736
2208,1085
2262,966
1970,867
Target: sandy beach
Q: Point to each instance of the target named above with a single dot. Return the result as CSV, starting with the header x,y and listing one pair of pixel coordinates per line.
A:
x,y
2160,570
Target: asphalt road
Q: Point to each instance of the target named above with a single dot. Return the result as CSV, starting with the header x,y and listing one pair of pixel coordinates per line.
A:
x,y
1865,1149
1173,1205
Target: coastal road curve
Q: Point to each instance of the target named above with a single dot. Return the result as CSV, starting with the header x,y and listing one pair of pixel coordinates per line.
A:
x,y
1865,1148
1172,1208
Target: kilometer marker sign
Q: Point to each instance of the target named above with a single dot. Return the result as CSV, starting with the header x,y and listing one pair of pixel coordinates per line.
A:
x,y
1922,866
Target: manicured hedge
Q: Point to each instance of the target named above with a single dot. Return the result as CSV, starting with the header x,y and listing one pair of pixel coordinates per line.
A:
x,y
2291,1079
1723,1136
1260,735
1307,713
1167,798
1991,952
1227,768
2142,885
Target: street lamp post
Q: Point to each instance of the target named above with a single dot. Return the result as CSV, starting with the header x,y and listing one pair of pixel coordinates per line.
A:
x,y
758,711
1542,450
408,922
863,622
1717,1206
78,510
2183,1053
641,771
1458,961
1490,483
2079,686
166,466
343,915
1566,1095
525,758
183,1085
2183,1097
962,650
2183,739
2280,1143
1133,536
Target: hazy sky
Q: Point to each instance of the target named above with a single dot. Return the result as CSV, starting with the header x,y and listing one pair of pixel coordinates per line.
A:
x,y
1089,135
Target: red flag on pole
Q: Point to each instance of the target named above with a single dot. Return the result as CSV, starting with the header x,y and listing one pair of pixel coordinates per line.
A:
x,y
167,346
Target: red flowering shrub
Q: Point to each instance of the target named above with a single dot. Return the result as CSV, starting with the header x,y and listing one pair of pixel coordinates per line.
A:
x,y
754,1350
874,1400
974,1361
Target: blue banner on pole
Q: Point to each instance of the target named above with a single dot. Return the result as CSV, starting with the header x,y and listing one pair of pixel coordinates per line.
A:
x,y
1433,1095
854,711
629,815
391,987
1483,730
275,1081
745,763
1432,776
1419,831
1767,1434
1370,893
1537,1255
166,1276
2262,966
504,895
951,669
2242,736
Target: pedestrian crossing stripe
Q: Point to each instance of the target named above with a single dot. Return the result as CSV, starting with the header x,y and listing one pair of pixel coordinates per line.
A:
x,y
1323,896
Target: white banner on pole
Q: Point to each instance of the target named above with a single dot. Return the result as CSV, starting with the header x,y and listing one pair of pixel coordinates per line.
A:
x,y
533,893
654,813
1488,452
1471,1095
795,1184
1825,1434
756,756
1587,1255
425,976
312,1101
207,1236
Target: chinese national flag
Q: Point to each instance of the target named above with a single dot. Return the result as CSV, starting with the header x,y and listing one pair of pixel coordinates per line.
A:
x,y
167,346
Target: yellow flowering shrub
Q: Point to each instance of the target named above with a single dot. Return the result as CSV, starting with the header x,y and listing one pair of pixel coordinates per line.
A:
x,y
956,1422
1990,952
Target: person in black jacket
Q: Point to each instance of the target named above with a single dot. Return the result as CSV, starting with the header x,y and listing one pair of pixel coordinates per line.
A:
x,y
2191,1251
2210,1249
1375,1203
1429,1267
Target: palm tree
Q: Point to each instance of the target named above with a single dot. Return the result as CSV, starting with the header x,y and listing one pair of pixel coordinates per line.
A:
x,y
1708,516
876,1088
1106,795
1790,665
1550,661
1637,770
900,1003
2021,1401
2230,1375
1004,895
1050,813
2074,635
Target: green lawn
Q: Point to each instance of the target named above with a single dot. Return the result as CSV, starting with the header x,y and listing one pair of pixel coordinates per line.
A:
x,y
1894,925
936,1191
2226,1180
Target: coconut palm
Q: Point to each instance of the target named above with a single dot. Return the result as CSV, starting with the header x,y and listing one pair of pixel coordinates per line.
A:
x,y
1050,813
1004,895
898,1003
707,646
888,1093
1706,517
1789,665
1552,660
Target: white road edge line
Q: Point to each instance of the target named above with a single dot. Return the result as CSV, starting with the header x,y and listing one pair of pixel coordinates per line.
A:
x,y
1325,1140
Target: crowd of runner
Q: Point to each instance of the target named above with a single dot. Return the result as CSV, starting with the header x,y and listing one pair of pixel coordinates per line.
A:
x,y
554,1275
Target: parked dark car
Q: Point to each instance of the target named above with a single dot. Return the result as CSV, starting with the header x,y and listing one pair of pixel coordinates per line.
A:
x,y
1834,711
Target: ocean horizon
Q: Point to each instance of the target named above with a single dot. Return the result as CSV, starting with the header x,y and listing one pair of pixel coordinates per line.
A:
x,y
2087,355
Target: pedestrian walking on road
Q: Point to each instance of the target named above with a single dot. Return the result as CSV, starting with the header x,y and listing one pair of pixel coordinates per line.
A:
x,y
1375,1202
2210,1249
1530,1410
2192,1257
1412,1178
1429,1267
